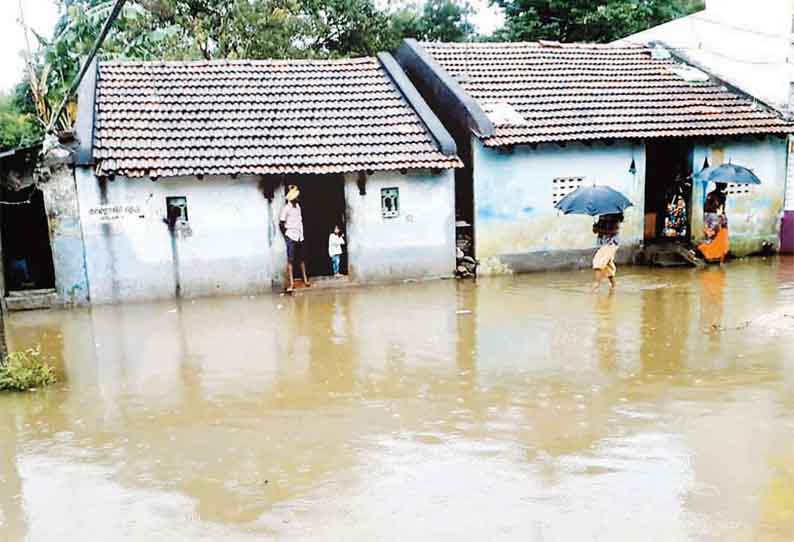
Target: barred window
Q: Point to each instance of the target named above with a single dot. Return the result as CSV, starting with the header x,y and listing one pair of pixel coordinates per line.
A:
x,y
390,202
739,189
562,186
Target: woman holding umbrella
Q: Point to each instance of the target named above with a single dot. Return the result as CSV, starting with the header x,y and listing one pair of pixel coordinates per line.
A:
x,y
606,229
715,226
715,220
608,204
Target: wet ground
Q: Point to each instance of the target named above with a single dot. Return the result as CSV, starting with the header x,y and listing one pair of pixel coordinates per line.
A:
x,y
521,408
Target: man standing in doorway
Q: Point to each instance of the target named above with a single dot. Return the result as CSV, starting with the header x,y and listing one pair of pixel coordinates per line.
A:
x,y
291,224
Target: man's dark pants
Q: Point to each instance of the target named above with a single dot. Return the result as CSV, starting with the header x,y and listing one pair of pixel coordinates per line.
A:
x,y
294,252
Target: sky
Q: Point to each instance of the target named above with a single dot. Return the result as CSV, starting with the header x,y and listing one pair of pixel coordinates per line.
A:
x,y
41,16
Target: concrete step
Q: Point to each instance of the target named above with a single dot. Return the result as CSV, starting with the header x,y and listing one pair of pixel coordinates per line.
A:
x,y
26,300
28,293
668,254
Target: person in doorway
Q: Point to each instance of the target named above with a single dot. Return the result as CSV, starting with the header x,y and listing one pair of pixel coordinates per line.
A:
x,y
20,273
291,225
335,242
607,229
715,226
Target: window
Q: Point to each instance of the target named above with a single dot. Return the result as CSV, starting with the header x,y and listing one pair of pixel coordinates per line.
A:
x,y
176,210
390,202
739,189
562,186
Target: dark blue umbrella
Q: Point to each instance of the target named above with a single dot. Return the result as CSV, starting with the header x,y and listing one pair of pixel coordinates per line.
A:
x,y
727,173
593,201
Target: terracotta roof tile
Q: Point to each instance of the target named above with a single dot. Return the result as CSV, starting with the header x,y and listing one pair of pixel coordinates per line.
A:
x,y
576,91
256,117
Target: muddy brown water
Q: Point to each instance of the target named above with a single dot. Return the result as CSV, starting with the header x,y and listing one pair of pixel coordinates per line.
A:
x,y
520,408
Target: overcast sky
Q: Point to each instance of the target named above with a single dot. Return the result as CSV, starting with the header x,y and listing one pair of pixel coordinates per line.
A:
x,y
41,16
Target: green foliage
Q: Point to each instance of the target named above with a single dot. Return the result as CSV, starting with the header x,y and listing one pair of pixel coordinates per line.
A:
x,y
437,20
26,370
189,29
446,20
586,20
17,128
344,28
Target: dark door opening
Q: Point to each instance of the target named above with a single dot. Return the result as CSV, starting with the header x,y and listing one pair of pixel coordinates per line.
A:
x,y
464,201
27,254
322,202
667,180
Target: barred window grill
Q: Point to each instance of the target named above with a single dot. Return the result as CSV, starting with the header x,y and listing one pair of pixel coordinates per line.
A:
x,y
739,189
390,202
562,186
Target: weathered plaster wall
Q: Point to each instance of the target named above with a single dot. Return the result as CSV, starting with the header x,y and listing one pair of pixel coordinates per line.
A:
x,y
131,255
788,204
420,243
754,218
787,226
517,227
66,237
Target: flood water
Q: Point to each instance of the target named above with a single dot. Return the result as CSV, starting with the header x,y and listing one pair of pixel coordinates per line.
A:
x,y
519,408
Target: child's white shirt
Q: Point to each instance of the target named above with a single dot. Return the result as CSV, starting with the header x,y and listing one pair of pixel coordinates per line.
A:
x,y
335,243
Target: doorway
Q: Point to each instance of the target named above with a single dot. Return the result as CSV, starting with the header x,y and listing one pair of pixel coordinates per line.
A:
x,y
667,180
322,202
27,254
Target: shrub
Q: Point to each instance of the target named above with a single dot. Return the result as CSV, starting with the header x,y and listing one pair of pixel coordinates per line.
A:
x,y
26,370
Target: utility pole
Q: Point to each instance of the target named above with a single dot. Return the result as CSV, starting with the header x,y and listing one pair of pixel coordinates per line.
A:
x,y
84,68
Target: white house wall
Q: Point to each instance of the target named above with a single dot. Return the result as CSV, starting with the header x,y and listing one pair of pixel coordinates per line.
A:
x,y
516,225
419,243
753,218
130,253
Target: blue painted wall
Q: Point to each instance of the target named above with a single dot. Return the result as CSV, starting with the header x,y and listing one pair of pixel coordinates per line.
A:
x,y
516,224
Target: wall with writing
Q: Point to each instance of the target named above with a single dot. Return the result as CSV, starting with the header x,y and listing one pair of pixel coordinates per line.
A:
x,y
133,253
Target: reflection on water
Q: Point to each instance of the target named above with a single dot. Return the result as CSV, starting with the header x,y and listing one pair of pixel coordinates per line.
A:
x,y
519,408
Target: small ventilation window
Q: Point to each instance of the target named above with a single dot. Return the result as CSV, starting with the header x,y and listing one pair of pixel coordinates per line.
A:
x,y
390,202
739,189
176,210
562,186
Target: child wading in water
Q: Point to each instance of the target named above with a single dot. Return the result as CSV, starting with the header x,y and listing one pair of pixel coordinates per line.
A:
x,y
607,229
335,242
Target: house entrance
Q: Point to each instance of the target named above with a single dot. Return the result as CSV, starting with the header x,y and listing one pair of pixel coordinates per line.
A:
x,y
668,190
27,254
322,203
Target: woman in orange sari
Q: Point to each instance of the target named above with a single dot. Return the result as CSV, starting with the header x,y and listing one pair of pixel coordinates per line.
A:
x,y
715,225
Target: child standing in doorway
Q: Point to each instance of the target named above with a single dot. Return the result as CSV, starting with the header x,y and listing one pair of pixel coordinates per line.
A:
x,y
335,242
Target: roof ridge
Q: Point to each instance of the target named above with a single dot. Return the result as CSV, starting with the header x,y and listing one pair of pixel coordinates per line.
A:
x,y
539,44
241,61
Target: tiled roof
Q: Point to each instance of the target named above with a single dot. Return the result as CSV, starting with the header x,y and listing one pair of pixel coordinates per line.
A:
x,y
261,117
580,92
